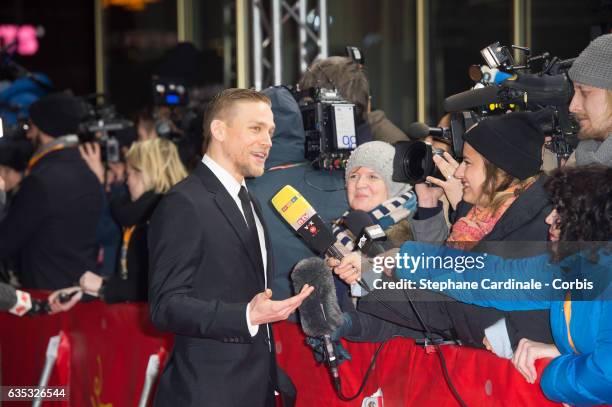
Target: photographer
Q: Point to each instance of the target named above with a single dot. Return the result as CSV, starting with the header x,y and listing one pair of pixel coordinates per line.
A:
x,y
153,167
350,79
52,220
591,73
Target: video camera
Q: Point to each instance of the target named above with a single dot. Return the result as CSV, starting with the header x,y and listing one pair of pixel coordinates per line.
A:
x,y
540,86
330,124
100,124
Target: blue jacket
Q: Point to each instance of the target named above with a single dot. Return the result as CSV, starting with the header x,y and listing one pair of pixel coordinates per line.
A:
x,y
583,378
325,191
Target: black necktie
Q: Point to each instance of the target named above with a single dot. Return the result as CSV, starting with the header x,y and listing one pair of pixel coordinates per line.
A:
x,y
245,201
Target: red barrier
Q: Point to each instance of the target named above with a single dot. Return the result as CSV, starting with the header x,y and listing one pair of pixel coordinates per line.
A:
x,y
104,353
407,375
109,348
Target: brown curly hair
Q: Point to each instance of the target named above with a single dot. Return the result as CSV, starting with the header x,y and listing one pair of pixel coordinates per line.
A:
x,y
583,199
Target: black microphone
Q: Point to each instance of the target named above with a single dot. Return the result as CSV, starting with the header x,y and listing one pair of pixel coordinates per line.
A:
x,y
418,130
367,231
320,314
526,89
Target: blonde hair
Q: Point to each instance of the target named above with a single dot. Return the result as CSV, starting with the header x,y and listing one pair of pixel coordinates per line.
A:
x,y
158,161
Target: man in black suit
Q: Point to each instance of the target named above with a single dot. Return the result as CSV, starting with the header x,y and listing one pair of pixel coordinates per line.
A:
x,y
52,220
210,263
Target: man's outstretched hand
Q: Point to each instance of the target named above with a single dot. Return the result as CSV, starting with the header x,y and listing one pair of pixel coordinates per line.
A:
x,y
264,310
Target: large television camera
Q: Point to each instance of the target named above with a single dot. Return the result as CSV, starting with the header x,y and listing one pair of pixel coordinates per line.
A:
x,y
330,124
541,86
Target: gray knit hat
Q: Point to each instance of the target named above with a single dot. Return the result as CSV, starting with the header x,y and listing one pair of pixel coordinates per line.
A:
x,y
377,156
593,66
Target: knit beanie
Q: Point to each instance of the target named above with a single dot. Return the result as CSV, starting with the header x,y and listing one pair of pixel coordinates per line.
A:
x,y
57,114
593,66
513,142
377,156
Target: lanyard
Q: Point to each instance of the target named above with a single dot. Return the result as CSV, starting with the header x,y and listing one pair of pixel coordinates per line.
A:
x,y
127,236
567,311
40,155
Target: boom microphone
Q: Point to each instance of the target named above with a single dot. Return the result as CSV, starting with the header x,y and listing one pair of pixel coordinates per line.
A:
x,y
525,89
481,97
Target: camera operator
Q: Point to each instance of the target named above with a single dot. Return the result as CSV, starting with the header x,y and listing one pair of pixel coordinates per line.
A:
x,y
51,223
350,79
591,73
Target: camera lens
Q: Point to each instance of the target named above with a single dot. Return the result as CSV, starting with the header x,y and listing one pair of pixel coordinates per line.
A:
x,y
413,162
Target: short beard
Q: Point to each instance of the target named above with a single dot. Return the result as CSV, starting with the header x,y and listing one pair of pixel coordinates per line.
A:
x,y
594,134
249,172
598,134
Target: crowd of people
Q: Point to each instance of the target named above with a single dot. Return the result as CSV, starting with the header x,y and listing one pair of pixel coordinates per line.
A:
x,y
201,244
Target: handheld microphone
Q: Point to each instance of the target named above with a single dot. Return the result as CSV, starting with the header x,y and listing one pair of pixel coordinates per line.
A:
x,y
320,314
15,301
303,218
8,297
368,233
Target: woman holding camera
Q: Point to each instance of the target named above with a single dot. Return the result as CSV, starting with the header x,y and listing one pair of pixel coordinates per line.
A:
x,y
153,167
502,200
501,196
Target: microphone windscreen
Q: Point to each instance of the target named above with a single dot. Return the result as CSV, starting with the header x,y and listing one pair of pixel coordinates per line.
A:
x,y
320,313
417,130
302,217
8,297
472,98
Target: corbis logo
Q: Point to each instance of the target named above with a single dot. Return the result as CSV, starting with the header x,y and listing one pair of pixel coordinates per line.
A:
x,y
288,204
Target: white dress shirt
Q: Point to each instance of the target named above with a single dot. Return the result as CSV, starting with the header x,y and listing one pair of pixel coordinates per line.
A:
x,y
233,188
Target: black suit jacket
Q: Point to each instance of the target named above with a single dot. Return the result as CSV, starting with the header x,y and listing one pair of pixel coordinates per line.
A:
x,y
51,224
203,273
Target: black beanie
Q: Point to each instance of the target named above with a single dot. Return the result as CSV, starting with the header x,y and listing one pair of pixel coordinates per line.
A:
x,y
513,142
57,114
